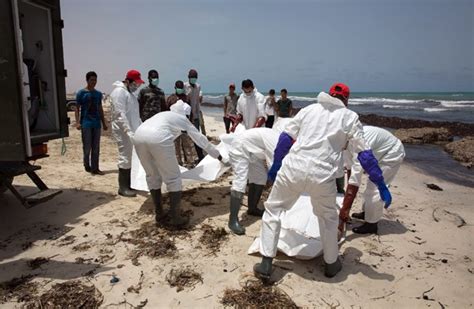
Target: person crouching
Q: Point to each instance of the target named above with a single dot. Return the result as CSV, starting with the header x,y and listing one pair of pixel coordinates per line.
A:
x,y
154,143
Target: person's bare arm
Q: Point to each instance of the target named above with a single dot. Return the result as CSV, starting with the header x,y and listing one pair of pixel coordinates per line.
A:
x,y
76,113
225,106
102,117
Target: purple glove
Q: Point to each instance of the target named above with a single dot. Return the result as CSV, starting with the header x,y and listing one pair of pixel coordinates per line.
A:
x,y
283,146
371,166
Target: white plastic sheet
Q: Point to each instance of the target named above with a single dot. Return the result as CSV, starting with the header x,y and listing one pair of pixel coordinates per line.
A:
x,y
299,234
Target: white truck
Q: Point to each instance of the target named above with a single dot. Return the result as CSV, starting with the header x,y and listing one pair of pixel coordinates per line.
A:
x,y
32,90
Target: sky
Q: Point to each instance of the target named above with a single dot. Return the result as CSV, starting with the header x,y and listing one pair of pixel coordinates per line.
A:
x,y
372,45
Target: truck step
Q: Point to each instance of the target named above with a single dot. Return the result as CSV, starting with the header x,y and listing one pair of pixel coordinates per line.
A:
x,y
40,197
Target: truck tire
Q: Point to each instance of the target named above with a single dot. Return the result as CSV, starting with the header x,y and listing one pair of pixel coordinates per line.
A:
x,y
3,181
71,106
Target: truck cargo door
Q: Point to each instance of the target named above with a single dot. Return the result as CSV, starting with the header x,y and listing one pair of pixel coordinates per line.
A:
x,y
12,133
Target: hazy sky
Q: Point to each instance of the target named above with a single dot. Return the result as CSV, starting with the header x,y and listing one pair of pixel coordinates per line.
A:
x,y
379,45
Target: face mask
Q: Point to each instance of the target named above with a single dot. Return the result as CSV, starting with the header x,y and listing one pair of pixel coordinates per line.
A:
x,y
192,80
248,95
155,81
179,91
132,87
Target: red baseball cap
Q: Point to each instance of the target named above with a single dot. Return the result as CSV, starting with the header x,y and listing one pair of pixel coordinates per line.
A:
x,y
340,88
135,76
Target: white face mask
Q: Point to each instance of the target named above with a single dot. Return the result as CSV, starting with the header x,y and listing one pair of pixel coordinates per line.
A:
x,y
133,87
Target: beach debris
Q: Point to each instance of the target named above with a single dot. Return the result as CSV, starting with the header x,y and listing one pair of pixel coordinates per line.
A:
x,y
433,186
384,296
424,295
138,287
19,289
81,247
212,237
114,279
157,248
68,240
181,278
254,294
37,262
460,222
69,294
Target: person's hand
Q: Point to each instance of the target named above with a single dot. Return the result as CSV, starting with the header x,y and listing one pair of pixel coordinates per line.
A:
x,y
224,160
385,194
78,126
344,215
272,173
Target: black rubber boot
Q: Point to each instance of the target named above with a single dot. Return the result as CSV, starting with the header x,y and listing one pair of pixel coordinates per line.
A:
x,y
340,185
156,197
366,228
124,183
330,270
255,192
263,270
235,200
359,215
175,203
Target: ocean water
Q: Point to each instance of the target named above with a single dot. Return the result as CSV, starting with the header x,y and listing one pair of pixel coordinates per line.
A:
x,y
440,106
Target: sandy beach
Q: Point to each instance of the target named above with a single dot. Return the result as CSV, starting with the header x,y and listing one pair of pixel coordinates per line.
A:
x,y
422,257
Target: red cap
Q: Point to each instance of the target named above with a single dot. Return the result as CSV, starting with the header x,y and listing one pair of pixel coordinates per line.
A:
x,y
135,76
340,88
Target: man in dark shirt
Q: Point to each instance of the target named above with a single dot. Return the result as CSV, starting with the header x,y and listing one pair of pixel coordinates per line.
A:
x,y
284,106
151,98
89,117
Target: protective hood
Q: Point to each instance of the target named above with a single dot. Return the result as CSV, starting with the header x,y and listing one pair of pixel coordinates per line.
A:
x,y
119,84
181,108
325,98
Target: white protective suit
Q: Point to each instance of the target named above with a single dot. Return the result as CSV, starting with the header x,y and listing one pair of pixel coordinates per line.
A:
x,y
321,132
154,143
389,152
125,121
251,108
251,152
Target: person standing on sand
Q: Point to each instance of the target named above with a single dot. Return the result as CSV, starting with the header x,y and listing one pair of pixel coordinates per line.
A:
x,y
307,159
184,146
284,106
250,107
389,152
193,91
151,98
270,108
155,148
125,120
89,105
230,107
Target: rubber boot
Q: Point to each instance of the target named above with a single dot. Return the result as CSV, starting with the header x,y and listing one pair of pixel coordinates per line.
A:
x,y
255,192
124,183
156,197
235,200
330,270
340,185
175,203
366,228
263,270
359,215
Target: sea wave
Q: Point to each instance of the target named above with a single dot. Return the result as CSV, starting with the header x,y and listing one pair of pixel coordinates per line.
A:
x,y
400,106
435,109
457,103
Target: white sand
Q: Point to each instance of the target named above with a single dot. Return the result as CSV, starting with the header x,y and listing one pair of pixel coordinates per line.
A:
x,y
391,270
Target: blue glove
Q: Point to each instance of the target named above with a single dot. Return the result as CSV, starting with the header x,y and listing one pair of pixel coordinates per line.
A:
x,y
385,194
272,172
282,148
371,166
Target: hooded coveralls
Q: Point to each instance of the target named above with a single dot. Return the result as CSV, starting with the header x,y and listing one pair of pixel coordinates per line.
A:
x,y
249,152
154,143
125,121
389,152
251,107
314,161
